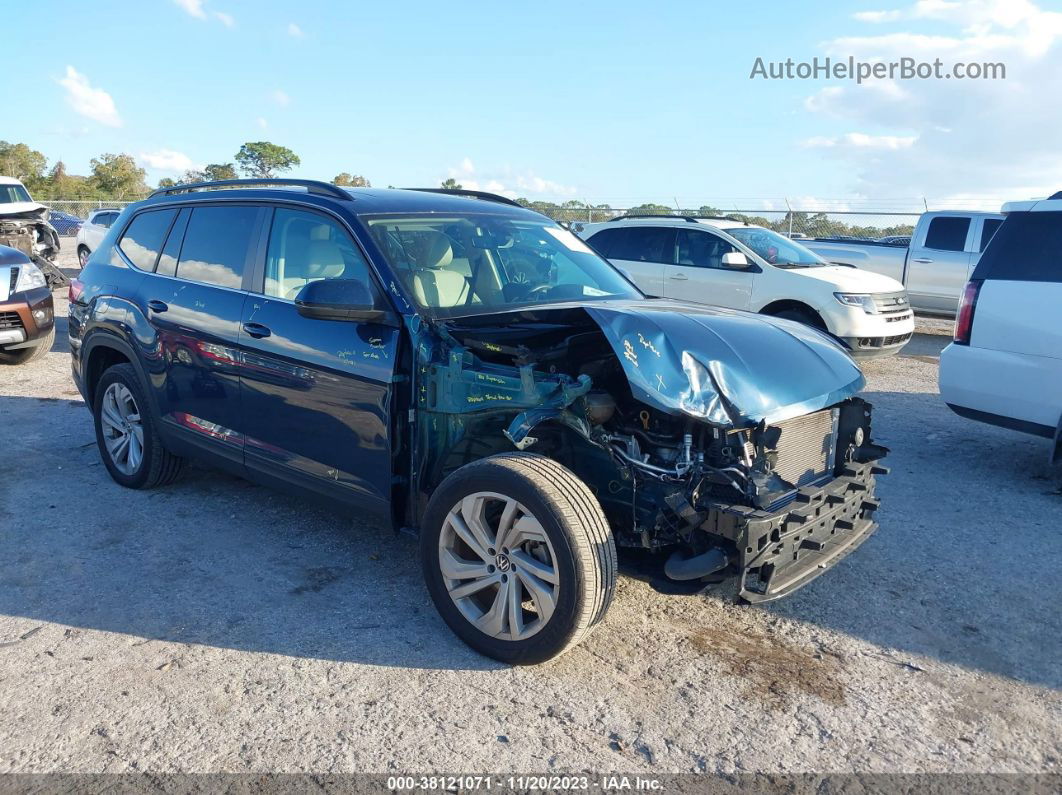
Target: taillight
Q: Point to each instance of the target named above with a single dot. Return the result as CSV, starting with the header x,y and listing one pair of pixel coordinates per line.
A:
x,y
964,320
77,287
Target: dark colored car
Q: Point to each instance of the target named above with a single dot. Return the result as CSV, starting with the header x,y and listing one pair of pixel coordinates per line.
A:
x,y
27,313
468,370
64,223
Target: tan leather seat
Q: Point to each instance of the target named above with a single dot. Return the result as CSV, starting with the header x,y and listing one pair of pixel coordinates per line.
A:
x,y
434,284
317,259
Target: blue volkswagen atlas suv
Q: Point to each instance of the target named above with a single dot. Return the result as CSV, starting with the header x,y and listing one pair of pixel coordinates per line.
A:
x,y
467,369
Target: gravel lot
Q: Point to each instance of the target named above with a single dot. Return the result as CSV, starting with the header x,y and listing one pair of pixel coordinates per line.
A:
x,y
217,626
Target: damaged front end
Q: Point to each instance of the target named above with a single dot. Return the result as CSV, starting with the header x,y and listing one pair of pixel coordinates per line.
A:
x,y
27,229
723,445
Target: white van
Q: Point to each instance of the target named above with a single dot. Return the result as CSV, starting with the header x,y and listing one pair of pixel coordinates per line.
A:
x,y
729,263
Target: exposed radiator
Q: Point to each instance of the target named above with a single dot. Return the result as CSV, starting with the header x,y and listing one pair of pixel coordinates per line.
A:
x,y
807,447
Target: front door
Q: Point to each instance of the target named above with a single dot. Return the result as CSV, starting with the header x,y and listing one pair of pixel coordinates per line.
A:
x,y
316,393
698,273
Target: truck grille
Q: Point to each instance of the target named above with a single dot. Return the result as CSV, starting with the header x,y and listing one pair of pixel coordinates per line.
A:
x,y
807,447
10,320
892,303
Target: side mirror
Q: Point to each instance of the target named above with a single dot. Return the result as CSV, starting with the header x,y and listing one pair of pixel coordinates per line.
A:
x,y
735,260
340,299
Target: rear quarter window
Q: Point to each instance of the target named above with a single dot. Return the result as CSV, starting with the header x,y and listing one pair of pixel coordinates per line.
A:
x,y
1026,248
142,240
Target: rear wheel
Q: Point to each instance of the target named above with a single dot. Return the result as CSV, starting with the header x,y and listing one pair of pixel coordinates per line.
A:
x,y
518,557
127,435
82,256
25,355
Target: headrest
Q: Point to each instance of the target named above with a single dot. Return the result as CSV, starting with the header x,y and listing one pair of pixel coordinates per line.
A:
x,y
436,251
324,260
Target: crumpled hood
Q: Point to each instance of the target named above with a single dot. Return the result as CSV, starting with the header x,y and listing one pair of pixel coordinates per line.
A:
x,y
22,210
726,366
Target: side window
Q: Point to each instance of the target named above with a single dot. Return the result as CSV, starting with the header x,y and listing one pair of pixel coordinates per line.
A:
x,y
107,219
701,249
988,231
1026,248
947,233
142,239
645,244
216,245
603,240
168,261
306,247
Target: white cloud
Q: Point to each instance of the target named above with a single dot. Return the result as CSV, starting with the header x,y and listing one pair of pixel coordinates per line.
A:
x,y
281,98
192,7
508,182
169,160
877,16
93,103
197,9
262,123
295,31
862,141
978,141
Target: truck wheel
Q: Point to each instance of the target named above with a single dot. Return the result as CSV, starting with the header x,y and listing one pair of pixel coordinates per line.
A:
x,y
127,435
25,355
518,557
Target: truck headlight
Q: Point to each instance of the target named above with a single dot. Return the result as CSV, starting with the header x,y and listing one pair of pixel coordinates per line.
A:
x,y
29,277
858,299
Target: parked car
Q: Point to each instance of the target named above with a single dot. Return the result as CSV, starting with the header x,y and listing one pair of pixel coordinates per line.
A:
x,y
24,226
93,231
64,223
27,312
1005,364
944,249
729,263
468,369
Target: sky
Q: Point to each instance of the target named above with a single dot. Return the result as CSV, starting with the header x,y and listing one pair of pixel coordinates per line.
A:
x,y
618,102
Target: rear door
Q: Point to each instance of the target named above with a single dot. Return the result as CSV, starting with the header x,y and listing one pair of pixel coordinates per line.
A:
x,y
194,302
938,263
316,393
698,273
644,253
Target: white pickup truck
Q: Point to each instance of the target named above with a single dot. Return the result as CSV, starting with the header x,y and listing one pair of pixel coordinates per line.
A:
x,y
945,247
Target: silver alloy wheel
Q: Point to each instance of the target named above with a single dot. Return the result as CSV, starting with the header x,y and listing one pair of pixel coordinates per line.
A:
x,y
123,434
498,566
82,258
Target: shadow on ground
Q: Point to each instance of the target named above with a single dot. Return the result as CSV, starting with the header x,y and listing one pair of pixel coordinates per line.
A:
x,y
956,572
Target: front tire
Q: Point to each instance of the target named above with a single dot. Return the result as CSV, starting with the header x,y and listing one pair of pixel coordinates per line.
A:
x,y
806,316
518,557
127,435
30,354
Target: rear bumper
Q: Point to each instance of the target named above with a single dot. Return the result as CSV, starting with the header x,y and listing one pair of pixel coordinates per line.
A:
x,y
781,551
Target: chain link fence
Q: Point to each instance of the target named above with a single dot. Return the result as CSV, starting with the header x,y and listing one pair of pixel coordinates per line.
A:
x,y
860,224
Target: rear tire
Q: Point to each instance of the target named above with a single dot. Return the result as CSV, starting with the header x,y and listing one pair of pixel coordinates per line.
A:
x,y
539,569
26,355
122,410
82,256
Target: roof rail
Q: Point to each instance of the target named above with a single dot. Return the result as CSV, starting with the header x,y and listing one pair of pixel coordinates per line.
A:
x,y
689,218
311,185
472,194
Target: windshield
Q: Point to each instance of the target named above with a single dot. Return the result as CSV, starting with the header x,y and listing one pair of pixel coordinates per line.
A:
x,y
776,249
475,264
13,193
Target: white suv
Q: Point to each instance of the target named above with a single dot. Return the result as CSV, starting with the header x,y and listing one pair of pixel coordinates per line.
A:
x,y
1005,365
93,231
729,263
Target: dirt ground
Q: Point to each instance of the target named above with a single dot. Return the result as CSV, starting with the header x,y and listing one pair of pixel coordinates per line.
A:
x,y
217,626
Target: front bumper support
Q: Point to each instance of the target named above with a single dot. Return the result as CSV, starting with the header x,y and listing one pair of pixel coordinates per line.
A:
x,y
783,550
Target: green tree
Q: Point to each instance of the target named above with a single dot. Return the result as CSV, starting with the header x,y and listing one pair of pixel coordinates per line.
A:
x,y
219,171
190,176
166,182
650,209
262,159
22,163
351,180
118,176
451,184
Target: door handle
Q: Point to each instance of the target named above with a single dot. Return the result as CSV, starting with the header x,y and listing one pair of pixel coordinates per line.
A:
x,y
157,306
681,277
922,260
256,330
